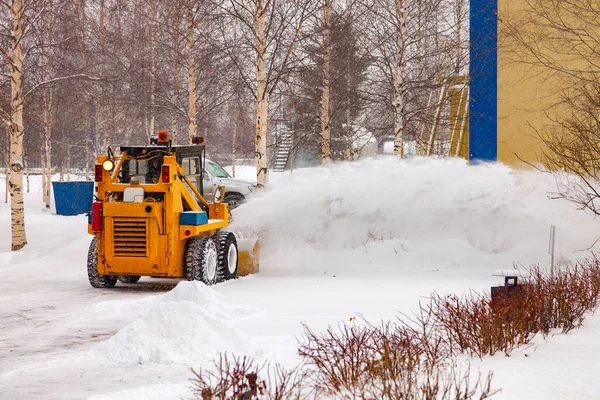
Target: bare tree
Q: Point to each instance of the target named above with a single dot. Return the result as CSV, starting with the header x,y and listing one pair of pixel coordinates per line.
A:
x,y
176,18
271,30
348,63
413,54
15,120
401,15
191,68
46,39
325,109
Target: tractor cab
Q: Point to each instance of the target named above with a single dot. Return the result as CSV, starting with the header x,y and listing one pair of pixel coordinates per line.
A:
x,y
143,165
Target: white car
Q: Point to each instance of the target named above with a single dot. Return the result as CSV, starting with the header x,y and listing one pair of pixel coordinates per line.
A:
x,y
236,190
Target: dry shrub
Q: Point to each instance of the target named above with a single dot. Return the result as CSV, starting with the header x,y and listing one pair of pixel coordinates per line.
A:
x,y
391,361
239,378
565,297
474,325
341,357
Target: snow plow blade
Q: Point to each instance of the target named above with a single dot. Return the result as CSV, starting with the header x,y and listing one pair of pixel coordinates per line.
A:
x,y
248,253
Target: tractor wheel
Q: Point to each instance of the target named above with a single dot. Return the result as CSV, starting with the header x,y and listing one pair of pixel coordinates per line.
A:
x,y
201,261
97,280
234,200
129,278
228,254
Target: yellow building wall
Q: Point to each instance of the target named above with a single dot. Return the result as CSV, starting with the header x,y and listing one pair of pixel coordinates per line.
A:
x,y
522,95
528,92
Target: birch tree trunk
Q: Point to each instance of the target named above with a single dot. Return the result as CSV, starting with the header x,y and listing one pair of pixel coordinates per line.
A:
x,y
348,135
90,144
176,68
45,181
325,116
101,34
234,142
401,17
192,122
47,21
235,117
293,127
47,144
262,98
19,239
147,125
420,30
26,169
421,142
6,157
100,138
152,64
459,8
69,166
45,111
80,13
63,146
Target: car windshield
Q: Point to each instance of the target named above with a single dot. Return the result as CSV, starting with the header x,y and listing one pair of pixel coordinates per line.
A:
x,y
216,170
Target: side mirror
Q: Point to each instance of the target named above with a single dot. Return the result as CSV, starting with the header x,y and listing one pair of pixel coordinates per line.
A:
x,y
219,194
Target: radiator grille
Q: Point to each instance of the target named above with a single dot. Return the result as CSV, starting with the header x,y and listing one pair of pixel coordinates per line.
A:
x,y
129,237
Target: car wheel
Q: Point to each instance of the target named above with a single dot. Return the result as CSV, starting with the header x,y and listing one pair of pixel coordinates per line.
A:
x,y
234,200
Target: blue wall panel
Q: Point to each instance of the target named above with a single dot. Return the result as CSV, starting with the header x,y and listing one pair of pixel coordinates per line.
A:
x,y
483,107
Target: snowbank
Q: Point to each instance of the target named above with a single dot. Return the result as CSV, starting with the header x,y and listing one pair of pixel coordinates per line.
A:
x,y
189,325
425,210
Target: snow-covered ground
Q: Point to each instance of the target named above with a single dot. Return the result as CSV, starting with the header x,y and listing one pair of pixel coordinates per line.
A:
x,y
372,237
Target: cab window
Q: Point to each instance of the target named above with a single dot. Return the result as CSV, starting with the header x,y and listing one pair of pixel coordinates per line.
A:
x,y
191,169
190,166
138,167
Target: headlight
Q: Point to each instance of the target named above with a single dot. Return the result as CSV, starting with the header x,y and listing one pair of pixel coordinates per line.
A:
x,y
108,165
251,188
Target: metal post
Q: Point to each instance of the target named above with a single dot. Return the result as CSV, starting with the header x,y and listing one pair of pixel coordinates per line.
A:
x,y
551,247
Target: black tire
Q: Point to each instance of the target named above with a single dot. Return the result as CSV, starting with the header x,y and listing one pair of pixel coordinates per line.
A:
x,y
201,261
228,254
97,280
234,200
129,278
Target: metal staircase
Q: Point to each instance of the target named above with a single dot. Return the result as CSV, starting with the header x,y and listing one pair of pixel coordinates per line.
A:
x,y
283,152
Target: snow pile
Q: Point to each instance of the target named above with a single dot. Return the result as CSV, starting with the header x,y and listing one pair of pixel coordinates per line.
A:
x,y
425,210
346,204
188,325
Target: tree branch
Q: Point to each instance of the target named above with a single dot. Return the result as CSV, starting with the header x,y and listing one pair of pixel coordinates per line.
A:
x,y
62,78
